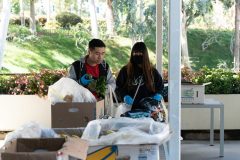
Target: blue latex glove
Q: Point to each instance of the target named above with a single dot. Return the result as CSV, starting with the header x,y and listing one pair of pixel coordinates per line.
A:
x,y
128,100
158,97
85,80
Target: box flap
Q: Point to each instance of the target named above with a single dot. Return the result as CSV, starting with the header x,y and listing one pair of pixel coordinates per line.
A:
x,y
10,146
204,84
75,147
190,83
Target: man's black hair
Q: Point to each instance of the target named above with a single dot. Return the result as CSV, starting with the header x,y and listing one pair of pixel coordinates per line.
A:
x,y
96,43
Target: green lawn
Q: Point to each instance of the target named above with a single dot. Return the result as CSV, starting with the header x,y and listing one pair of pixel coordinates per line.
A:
x,y
57,51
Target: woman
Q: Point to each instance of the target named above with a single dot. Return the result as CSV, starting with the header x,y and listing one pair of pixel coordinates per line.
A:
x,y
138,79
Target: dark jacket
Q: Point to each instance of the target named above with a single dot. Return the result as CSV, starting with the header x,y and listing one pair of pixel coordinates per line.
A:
x,y
122,89
110,79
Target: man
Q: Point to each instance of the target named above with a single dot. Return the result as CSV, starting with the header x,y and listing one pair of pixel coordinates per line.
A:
x,y
92,71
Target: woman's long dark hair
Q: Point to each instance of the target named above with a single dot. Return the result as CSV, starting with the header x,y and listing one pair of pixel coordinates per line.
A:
x,y
146,66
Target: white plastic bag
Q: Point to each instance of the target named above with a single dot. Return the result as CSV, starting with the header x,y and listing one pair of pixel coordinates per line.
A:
x,y
68,87
28,130
122,108
126,131
49,133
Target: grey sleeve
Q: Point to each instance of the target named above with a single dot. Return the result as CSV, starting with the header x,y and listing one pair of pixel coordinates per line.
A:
x,y
71,73
110,80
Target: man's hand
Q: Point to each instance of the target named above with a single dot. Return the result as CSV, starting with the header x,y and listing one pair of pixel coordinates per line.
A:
x,y
85,79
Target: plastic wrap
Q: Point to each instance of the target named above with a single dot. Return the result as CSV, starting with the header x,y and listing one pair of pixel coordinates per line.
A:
x,y
28,130
68,87
122,108
126,131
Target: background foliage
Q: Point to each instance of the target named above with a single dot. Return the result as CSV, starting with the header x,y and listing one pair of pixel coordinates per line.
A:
x,y
27,84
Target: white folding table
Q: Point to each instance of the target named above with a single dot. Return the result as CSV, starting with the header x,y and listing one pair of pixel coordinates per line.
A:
x,y
212,104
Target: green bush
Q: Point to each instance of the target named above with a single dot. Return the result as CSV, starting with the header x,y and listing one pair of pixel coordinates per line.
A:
x,y
17,21
67,19
28,84
16,32
222,81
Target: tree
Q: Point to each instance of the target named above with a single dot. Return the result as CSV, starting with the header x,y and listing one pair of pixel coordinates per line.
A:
x,y
32,17
228,4
110,18
190,10
49,10
21,4
236,44
79,7
93,16
4,27
126,11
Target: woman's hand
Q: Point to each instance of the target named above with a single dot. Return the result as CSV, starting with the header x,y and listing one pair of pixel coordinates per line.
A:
x,y
128,100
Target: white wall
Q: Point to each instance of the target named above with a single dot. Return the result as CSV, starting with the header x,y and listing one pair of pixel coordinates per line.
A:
x,y
197,119
18,110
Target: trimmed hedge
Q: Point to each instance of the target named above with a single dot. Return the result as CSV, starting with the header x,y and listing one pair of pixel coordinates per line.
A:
x,y
67,19
223,81
28,84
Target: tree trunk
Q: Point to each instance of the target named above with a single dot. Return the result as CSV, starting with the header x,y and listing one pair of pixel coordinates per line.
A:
x,y
184,43
62,6
236,44
93,17
79,5
32,17
49,11
5,16
22,13
110,18
141,18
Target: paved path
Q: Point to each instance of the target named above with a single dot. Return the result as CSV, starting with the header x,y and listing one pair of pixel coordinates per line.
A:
x,y
1,143
200,150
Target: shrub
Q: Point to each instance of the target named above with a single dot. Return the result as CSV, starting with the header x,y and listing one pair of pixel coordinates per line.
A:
x,y
42,21
17,21
27,84
222,81
16,32
51,25
67,19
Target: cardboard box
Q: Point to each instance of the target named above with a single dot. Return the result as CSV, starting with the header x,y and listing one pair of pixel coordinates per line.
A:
x,y
124,152
73,115
193,93
44,149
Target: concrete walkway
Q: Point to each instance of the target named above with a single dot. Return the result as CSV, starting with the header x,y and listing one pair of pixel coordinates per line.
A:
x,y
1,143
201,150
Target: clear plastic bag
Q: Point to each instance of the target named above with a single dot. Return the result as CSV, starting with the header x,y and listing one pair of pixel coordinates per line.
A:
x,y
126,131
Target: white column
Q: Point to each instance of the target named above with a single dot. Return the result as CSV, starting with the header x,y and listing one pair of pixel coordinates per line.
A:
x,y
174,95
4,27
159,35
